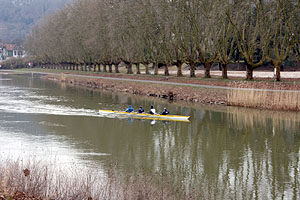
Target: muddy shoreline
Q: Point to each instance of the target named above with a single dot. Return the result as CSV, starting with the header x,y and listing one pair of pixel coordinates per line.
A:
x,y
197,95
173,93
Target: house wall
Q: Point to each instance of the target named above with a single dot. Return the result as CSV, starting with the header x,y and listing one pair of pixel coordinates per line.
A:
x,y
10,53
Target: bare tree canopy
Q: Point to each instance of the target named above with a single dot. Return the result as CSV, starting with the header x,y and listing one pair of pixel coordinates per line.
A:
x,y
92,32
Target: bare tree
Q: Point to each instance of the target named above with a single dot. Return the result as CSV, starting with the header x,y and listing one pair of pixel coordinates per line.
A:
x,y
281,14
248,20
92,33
225,42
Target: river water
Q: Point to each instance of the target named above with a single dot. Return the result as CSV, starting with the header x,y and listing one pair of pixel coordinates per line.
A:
x,y
223,153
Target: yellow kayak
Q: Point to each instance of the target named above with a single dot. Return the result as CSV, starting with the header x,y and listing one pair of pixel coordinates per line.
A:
x,y
147,116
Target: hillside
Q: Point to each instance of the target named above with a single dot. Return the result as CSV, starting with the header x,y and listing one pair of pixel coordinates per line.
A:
x,y
18,16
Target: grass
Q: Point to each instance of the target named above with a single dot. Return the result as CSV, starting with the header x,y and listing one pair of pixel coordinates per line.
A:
x,y
37,180
275,100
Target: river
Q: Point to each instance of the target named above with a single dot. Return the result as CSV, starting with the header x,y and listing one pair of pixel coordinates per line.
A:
x,y
223,153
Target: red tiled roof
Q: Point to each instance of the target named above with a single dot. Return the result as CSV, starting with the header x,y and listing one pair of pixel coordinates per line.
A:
x,y
9,47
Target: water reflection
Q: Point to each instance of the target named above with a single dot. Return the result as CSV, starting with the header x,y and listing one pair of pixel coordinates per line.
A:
x,y
229,154
153,122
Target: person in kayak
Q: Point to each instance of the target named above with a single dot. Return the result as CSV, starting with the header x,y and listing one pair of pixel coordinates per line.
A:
x,y
141,110
152,111
165,112
129,109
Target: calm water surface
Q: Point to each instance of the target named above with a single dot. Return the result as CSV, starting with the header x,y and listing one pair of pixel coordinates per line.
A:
x,y
222,154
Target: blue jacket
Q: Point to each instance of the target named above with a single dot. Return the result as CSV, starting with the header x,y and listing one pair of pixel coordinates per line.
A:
x,y
129,109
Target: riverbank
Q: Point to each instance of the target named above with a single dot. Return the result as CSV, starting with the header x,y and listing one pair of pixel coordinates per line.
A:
x,y
36,180
262,93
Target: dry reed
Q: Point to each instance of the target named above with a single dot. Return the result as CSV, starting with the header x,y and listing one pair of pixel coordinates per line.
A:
x,y
35,180
274,100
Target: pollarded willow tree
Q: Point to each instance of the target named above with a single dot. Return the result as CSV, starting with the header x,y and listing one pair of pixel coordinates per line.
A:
x,y
205,32
252,36
224,40
296,30
279,20
94,33
176,42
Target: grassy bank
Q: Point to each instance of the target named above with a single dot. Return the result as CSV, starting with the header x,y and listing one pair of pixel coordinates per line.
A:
x,y
170,92
37,180
280,99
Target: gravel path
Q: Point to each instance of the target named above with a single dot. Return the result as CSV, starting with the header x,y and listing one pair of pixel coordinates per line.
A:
x,y
241,74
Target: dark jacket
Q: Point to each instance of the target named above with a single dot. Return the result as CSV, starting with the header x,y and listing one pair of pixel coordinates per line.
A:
x,y
165,112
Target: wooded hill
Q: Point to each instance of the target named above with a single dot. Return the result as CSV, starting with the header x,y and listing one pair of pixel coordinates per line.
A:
x,y
18,16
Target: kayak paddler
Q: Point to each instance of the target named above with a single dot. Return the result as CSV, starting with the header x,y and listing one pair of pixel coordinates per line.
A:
x,y
129,109
141,110
165,112
152,111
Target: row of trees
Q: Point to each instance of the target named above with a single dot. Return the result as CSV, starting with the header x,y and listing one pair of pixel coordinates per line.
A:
x,y
107,32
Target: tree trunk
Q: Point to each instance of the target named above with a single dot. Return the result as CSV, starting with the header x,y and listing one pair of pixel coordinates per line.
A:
x,y
277,75
147,68
155,65
167,70
98,68
77,67
117,68
207,67
110,68
104,68
138,69
179,69
129,68
249,75
224,71
192,70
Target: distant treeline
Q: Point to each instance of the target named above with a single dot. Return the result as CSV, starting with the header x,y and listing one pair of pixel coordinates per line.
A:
x,y
107,32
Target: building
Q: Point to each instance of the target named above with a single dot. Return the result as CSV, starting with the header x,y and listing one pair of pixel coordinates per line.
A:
x,y
3,52
11,51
